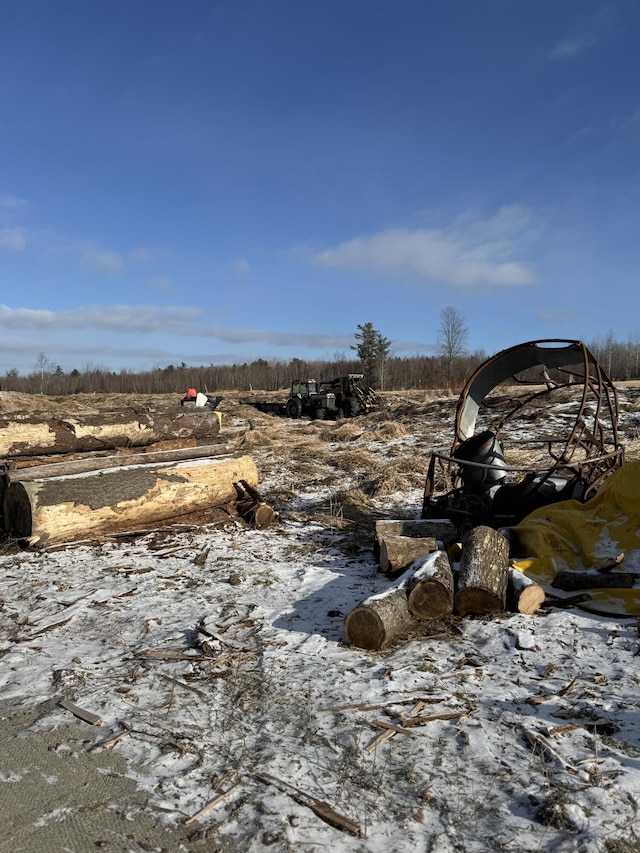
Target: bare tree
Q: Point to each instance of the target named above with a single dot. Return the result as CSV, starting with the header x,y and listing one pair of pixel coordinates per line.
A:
x,y
452,338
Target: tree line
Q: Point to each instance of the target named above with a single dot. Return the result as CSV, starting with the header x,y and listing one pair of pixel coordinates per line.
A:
x,y
445,371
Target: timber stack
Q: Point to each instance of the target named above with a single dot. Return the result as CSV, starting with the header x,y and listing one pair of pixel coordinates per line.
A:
x,y
94,475
431,587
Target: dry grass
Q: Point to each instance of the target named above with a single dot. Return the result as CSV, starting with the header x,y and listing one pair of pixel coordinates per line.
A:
x,y
356,460
386,431
344,431
390,482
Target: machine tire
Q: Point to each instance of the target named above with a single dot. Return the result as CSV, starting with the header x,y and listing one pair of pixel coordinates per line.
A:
x,y
339,414
294,408
356,408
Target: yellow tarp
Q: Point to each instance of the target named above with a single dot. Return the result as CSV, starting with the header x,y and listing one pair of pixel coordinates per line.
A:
x,y
571,535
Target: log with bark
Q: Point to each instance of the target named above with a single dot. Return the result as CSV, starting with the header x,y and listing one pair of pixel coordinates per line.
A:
x,y
431,587
398,552
33,436
378,619
95,503
523,594
441,529
484,570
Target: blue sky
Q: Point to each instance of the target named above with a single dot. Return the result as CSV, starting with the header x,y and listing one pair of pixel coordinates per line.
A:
x,y
215,181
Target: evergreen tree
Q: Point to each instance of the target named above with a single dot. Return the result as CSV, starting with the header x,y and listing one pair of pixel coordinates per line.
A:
x,y
373,350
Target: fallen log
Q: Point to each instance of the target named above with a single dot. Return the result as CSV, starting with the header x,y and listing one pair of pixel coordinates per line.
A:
x,y
523,594
34,436
374,622
398,552
431,587
484,569
62,509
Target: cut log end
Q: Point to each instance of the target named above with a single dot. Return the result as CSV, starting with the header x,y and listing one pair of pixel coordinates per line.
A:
x,y
377,620
531,600
363,628
430,600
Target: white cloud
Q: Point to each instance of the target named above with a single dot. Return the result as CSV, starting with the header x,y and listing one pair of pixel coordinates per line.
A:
x,y
147,319
113,318
13,202
240,267
567,48
471,253
103,260
144,255
161,283
12,240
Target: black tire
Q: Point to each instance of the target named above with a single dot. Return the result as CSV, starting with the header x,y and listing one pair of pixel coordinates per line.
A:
x,y
319,413
347,409
356,408
294,408
339,414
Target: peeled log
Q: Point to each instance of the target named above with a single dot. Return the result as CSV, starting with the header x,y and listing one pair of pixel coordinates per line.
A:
x,y
431,587
61,509
484,569
33,436
378,619
397,552
523,594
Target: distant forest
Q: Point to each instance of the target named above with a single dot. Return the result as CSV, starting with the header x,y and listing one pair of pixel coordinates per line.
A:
x,y
620,360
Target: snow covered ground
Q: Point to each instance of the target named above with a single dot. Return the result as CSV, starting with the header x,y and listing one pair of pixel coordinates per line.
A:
x,y
213,657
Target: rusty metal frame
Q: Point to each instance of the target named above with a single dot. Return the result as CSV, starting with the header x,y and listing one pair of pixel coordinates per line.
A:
x,y
586,456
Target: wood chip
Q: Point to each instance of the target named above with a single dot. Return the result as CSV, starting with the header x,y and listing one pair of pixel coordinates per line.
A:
x,y
86,716
381,724
548,752
210,805
430,718
321,809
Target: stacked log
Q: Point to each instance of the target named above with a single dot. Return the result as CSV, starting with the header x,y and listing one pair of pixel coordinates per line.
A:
x,y
484,571
35,436
432,587
378,619
441,529
398,552
66,505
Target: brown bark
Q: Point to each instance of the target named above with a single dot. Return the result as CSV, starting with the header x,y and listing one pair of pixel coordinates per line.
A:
x,y
397,552
83,465
32,436
569,580
431,587
378,619
484,568
523,594
437,528
62,509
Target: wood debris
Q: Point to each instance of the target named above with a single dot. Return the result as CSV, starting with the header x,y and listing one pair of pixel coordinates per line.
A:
x,y
321,809
80,713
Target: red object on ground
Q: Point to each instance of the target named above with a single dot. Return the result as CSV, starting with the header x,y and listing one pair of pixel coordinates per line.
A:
x,y
191,392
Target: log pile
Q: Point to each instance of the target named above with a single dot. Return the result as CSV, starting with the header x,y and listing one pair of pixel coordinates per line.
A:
x,y
35,436
432,587
89,476
63,507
